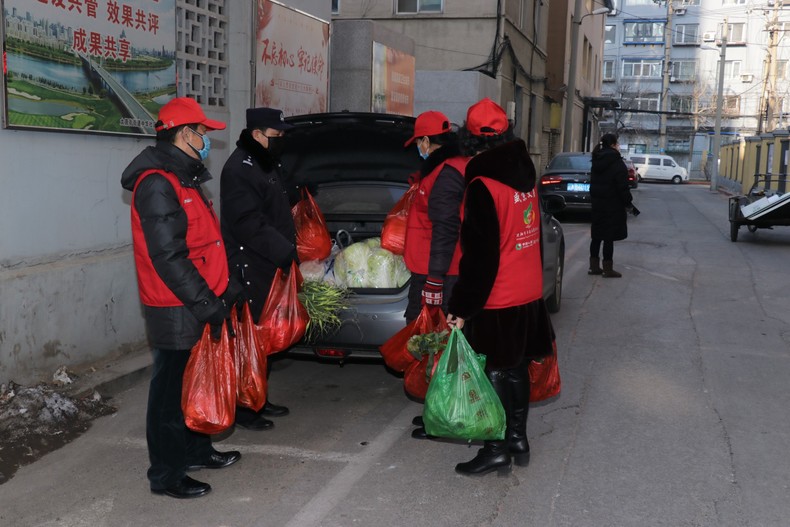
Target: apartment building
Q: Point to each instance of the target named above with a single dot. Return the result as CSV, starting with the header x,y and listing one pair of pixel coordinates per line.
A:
x,y
661,62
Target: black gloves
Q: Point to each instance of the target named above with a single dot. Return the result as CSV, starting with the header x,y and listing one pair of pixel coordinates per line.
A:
x,y
234,295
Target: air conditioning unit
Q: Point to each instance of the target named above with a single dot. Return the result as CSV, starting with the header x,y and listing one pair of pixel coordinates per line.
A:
x,y
681,11
709,36
747,77
673,79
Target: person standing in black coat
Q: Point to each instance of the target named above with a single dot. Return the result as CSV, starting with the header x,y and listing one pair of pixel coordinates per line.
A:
x,y
183,281
611,200
257,224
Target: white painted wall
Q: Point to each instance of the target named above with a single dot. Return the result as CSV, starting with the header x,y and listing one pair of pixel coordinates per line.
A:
x,y
68,291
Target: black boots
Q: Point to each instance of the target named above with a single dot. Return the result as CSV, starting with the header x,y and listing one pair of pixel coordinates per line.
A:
x,y
516,434
494,455
595,265
512,387
608,272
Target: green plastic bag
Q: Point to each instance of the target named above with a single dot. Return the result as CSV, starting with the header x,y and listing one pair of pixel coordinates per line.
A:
x,y
461,403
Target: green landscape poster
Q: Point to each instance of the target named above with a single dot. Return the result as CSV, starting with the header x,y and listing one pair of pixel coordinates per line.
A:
x,y
88,65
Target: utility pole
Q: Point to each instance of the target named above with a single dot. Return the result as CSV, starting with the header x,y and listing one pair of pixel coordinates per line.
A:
x,y
773,43
667,71
714,173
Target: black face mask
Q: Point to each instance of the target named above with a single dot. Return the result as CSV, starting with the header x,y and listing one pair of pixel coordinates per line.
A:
x,y
276,145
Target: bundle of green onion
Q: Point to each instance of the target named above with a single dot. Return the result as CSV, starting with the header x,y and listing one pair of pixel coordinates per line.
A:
x,y
324,302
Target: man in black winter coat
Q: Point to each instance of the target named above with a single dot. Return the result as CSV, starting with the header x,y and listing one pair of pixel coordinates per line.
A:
x,y
257,225
184,284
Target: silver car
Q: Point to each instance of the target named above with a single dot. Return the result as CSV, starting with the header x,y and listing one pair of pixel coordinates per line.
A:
x,y
356,168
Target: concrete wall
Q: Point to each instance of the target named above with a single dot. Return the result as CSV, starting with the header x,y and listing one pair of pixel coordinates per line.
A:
x,y
68,291
351,81
452,92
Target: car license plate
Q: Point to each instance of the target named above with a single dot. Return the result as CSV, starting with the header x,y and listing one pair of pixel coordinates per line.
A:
x,y
578,187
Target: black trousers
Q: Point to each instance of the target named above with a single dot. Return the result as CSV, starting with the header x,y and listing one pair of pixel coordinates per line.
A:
x,y
171,445
608,248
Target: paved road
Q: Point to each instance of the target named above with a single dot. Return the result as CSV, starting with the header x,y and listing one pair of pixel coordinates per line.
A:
x,y
673,413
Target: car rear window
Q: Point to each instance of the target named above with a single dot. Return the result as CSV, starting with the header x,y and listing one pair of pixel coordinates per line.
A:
x,y
572,162
357,198
654,161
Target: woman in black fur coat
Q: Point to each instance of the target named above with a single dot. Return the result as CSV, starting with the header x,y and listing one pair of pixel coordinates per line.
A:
x,y
498,297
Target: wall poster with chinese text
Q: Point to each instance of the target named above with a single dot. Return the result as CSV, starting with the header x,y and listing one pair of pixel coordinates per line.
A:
x,y
291,60
88,65
393,81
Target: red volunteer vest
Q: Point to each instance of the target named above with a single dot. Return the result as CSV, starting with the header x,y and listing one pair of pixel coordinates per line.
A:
x,y
204,241
519,278
419,228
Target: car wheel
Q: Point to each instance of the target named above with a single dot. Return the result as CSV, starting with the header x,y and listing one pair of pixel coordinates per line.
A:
x,y
734,231
677,180
554,302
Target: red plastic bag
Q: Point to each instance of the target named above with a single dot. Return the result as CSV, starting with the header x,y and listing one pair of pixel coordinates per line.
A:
x,y
284,319
312,236
250,359
417,377
393,234
208,393
394,351
544,377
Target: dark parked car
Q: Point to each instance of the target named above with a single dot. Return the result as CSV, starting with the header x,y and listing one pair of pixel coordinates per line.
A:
x,y
356,168
568,175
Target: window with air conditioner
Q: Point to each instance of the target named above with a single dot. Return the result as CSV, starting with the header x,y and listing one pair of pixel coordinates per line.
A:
x,y
734,2
686,34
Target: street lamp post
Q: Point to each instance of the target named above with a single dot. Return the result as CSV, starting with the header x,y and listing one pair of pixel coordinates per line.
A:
x,y
570,98
714,174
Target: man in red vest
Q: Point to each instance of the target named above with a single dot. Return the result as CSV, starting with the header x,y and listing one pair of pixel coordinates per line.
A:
x,y
182,277
431,251
497,299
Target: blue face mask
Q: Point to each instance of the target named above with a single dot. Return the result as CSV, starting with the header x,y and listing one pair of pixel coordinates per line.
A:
x,y
425,155
203,152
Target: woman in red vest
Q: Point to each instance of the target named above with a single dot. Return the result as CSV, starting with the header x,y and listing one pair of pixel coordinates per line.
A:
x,y
432,251
497,299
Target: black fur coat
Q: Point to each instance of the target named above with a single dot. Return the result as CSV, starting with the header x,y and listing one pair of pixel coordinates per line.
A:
x,y
511,335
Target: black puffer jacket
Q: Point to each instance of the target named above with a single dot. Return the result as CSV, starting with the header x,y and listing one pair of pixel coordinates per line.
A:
x,y
256,219
444,206
165,228
609,195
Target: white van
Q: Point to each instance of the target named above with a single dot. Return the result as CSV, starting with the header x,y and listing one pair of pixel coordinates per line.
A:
x,y
659,167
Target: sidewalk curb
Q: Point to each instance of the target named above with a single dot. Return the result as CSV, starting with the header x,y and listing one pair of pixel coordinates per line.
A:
x,y
113,376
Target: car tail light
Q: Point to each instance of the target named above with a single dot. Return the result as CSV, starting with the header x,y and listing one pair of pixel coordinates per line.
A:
x,y
331,353
550,180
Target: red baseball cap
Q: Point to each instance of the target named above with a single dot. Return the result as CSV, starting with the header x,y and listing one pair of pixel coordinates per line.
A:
x,y
486,117
429,123
183,110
